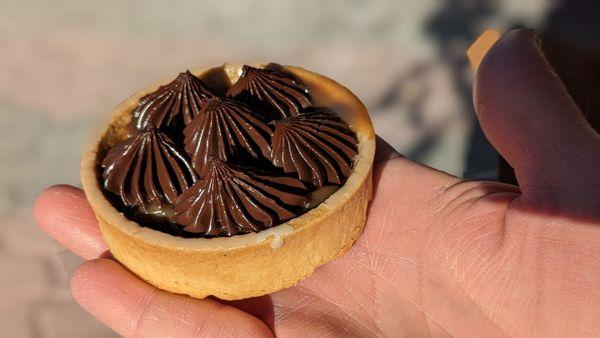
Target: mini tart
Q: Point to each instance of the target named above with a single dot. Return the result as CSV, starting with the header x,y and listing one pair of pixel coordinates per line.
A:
x,y
247,265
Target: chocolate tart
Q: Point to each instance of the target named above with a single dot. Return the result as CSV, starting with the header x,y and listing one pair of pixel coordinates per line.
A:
x,y
249,264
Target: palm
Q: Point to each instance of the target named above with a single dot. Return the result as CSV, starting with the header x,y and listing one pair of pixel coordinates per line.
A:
x,y
439,256
442,256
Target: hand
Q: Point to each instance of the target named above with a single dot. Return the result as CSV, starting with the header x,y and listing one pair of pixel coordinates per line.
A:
x,y
439,255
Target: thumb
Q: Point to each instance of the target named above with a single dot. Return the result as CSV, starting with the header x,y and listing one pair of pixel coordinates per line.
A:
x,y
526,113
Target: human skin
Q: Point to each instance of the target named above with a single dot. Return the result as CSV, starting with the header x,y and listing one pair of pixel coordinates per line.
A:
x,y
440,256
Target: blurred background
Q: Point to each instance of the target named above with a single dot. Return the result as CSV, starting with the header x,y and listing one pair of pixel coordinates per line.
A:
x,y
65,64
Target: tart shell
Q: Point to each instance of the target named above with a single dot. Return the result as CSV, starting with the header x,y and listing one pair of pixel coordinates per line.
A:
x,y
248,265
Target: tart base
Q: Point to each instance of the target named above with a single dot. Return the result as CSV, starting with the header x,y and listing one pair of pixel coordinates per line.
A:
x,y
248,265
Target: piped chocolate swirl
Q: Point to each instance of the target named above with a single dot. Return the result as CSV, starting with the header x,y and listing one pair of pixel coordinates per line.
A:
x,y
224,129
147,171
274,92
221,163
179,100
230,200
317,146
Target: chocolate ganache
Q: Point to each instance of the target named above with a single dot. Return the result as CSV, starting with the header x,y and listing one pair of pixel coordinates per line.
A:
x,y
147,170
231,200
198,164
180,99
222,130
316,145
277,95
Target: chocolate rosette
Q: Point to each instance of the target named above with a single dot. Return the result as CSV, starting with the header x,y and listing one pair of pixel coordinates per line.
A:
x,y
147,171
230,200
226,129
275,93
182,99
316,145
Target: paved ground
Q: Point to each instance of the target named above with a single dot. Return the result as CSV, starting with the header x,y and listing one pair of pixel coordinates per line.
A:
x,y
64,64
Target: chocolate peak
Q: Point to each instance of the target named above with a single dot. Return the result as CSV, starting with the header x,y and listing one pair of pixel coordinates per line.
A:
x,y
317,145
224,129
229,201
180,99
147,170
277,94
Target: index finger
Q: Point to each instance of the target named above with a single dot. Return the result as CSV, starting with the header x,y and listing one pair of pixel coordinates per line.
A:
x,y
132,307
63,212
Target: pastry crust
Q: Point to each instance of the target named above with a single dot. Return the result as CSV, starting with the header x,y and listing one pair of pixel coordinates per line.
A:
x,y
246,265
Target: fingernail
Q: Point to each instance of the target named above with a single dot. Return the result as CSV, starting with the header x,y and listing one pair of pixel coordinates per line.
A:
x,y
536,38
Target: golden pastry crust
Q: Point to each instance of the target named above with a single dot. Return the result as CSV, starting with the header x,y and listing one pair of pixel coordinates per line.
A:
x,y
246,265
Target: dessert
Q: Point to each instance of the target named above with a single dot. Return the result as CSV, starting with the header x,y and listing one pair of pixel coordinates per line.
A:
x,y
232,182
